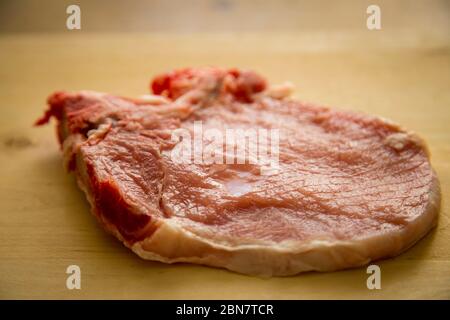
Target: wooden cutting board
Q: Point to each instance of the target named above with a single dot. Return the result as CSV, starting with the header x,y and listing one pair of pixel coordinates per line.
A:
x,y
45,224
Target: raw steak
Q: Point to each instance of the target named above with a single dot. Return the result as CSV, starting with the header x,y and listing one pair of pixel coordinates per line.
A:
x,y
348,188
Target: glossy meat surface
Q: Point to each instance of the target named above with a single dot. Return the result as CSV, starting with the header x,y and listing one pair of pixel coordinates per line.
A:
x,y
340,175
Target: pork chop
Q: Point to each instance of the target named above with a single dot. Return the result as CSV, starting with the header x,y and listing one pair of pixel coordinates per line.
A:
x,y
346,188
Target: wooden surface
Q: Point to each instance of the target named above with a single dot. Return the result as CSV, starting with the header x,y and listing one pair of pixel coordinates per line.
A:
x,y
423,17
45,224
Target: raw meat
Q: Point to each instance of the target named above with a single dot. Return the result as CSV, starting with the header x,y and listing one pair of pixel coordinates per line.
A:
x,y
347,188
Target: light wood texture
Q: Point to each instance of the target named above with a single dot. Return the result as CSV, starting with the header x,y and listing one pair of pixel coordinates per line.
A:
x,y
417,16
45,224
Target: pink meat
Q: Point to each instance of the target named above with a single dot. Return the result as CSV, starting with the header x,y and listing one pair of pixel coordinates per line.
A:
x,y
342,175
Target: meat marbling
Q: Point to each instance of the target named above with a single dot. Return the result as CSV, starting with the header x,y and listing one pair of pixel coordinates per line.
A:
x,y
350,188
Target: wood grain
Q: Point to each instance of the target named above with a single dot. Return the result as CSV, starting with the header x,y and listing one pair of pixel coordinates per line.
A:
x,y
45,224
